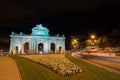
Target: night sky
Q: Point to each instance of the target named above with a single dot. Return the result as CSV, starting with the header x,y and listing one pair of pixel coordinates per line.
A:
x,y
69,17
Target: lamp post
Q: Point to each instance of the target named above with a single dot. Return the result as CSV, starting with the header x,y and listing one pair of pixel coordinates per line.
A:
x,y
94,44
93,37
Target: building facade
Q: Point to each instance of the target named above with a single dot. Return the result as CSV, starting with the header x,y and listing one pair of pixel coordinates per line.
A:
x,y
38,42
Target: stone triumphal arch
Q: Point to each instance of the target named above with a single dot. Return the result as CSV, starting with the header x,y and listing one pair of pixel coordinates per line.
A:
x,y
38,42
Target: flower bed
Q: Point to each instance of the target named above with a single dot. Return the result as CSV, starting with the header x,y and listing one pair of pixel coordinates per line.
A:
x,y
57,62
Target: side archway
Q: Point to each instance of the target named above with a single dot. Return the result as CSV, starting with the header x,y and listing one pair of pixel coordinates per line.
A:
x,y
60,49
52,48
40,48
15,50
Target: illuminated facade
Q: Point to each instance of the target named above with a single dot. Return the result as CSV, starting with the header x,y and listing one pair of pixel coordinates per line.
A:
x,y
38,42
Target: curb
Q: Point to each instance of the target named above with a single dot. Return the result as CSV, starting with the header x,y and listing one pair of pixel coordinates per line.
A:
x,y
20,76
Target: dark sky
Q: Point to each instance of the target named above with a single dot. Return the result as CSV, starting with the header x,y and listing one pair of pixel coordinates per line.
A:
x,y
69,17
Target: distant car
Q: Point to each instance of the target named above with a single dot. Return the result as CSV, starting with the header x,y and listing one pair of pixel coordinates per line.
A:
x,y
80,53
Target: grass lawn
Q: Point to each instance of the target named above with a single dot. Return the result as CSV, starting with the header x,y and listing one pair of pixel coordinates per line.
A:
x,y
34,71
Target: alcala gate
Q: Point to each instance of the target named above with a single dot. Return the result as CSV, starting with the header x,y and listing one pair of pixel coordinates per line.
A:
x,y
38,42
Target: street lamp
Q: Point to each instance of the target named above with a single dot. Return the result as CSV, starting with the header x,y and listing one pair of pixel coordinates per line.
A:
x,y
92,36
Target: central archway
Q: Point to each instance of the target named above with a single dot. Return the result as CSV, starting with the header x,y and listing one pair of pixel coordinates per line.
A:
x,y
40,48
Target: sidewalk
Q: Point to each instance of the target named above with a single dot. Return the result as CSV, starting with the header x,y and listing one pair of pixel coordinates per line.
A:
x,y
8,69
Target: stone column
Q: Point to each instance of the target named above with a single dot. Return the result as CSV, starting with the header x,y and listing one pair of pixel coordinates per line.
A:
x,y
11,47
63,44
35,47
45,47
23,49
32,46
57,47
19,49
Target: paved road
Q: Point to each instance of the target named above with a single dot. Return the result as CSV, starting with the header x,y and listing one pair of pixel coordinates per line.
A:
x,y
8,69
111,63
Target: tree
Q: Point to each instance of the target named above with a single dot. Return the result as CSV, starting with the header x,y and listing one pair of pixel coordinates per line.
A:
x,y
90,42
103,42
